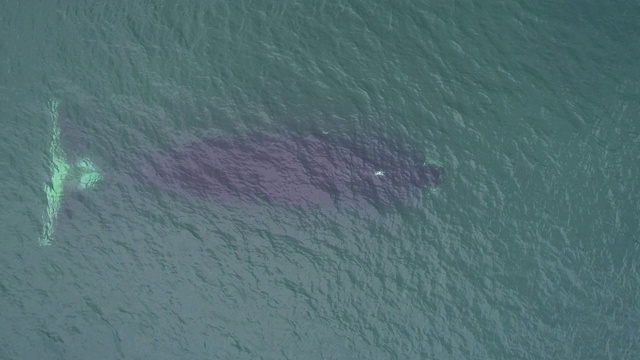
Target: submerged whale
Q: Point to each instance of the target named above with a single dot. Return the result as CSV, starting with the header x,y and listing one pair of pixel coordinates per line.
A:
x,y
322,170
292,169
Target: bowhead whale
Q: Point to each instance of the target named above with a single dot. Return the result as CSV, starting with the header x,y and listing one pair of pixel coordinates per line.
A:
x,y
312,170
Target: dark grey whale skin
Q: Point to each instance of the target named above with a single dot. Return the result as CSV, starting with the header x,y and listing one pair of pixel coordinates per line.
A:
x,y
292,169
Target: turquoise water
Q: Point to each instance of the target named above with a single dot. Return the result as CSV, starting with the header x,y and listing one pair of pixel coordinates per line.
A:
x,y
527,251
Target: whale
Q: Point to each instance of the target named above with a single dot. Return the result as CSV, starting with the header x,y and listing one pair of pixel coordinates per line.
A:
x,y
284,168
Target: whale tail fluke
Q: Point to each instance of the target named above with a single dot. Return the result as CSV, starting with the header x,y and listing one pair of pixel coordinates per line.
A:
x,y
84,170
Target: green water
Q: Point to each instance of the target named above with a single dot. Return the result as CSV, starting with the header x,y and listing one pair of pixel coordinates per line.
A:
x,y
527,251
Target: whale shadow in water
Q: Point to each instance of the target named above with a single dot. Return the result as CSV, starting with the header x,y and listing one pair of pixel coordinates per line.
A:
x,y
293,170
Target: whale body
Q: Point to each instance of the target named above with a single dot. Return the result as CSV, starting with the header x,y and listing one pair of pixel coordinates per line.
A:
x,y
293,169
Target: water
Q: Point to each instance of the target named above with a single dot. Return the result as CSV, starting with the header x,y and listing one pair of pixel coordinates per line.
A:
x,y
527,251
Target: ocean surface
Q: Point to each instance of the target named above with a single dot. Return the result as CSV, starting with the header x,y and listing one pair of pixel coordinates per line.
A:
x,y
528,250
